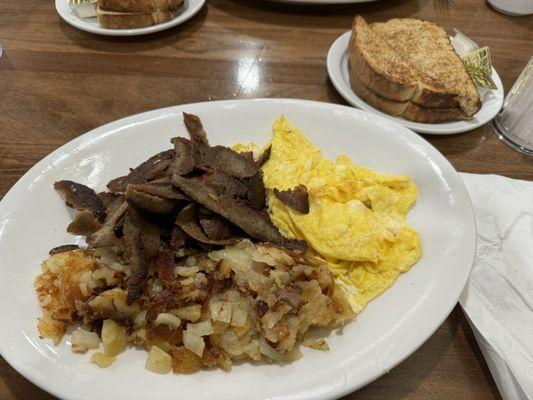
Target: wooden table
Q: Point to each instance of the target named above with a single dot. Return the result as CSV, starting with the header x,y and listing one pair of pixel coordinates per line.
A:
x,y
57,82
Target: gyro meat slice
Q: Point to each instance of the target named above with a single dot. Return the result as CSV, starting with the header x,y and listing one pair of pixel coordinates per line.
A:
x,y
106,235
264,157
84,223
149,170
215,226
255,194
195,128
224,159
82,198
136,255
296,198
215,157
184,158
141,200
63,248
187,220
257,224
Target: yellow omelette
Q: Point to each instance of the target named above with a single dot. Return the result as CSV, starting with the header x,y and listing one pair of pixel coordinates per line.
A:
x,y
356,220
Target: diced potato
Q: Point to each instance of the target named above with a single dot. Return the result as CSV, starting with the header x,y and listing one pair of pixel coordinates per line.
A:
x,y
239,315
186,271
168,319
221,311
113,337
204,328
102,359
184,361
51,328
193,342
140,319
189,313
158,361
83,340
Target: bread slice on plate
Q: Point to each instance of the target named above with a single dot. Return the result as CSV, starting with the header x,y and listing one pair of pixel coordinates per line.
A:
x,y
405,109
139,6
131,14
427,46
389,69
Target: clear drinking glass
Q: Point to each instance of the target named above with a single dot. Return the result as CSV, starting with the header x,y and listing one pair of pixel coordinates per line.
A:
x,y
514,123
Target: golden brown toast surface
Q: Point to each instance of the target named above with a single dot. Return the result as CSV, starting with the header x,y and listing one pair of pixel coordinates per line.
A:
x,y
409,60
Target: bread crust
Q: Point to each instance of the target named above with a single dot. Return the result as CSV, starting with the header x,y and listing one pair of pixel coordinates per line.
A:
x,y
405,109
113,20
394,79
139,6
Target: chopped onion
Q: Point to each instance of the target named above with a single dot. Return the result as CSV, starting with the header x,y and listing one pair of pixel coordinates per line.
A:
x,y
168,319
83,340
239,315
269,351
204,328
113,337
158,361
194,343
190,313
186,271
221,311
102,359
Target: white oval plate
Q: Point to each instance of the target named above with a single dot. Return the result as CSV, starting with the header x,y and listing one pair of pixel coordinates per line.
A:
x,y
338,71
322,1
33,219
189,10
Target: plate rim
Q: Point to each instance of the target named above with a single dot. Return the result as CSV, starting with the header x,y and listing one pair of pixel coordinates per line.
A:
x,y
335,55
121,123
179,19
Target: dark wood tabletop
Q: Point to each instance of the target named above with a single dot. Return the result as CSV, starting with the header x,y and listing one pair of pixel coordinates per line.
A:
x,y
57,82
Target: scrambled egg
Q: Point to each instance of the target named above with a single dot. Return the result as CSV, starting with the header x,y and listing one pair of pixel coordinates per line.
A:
x,y
356,221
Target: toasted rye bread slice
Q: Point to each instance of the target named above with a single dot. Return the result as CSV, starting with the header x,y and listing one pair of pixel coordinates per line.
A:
x,y
405,109
139,6
116,20
381,68
427,46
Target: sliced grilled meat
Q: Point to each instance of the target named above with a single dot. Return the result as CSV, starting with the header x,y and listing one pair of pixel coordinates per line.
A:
x,y
82,198
296,198
149,170
205,190
187,220
63,248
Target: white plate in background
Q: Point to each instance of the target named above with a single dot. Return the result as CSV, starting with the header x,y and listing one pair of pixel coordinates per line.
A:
x,y
322,1
33,217
338,71
189,9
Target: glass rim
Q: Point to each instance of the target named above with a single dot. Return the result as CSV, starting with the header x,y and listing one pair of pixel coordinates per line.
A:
x,y
504,138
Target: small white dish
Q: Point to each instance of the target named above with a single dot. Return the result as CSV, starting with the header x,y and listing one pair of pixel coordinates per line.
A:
x,y
514,8
33,217
189,9
338,71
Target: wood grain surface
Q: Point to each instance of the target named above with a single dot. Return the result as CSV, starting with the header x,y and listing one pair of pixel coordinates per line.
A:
x,y
57,82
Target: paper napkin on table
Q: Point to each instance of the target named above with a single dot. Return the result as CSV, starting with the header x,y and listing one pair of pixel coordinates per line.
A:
x,y
498,298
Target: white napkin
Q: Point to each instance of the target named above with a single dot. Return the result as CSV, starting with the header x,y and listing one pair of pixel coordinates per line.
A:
x,y
498,298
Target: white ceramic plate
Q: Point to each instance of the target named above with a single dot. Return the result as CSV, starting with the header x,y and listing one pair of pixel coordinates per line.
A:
x,y
322,1
338,71
190,8
33,219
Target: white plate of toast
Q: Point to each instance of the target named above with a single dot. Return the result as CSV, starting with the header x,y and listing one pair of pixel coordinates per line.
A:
x,y
147,17
322,1
338,65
